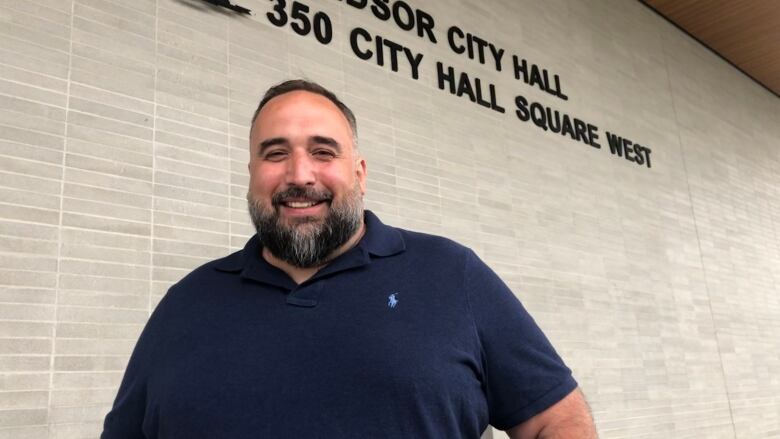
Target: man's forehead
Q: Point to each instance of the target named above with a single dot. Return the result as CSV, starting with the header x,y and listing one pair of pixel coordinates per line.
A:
x,y
299,98
301,105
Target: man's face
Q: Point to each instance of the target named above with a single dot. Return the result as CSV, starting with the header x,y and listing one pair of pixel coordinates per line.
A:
x,y
306,181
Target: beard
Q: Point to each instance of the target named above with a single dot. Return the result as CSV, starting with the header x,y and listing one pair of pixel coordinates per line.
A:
x,y
307,242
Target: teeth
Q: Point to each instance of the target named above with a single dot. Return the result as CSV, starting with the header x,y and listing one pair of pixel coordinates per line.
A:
x,y
300,204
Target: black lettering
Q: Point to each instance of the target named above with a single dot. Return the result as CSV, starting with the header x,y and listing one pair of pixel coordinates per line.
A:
x,y
449,77
451,32
545,81
566,127
380,9
538,116
323,29
414,62
394,49
469,46
302,26
493,101
628,149
360,4
464,87
615,144
521,104
593,136
480,100
558,91
480,48
353,37
647,156
554,120
536,77
579,130
407,24
638,149
497,55
521,68
425,25
380,51
281,19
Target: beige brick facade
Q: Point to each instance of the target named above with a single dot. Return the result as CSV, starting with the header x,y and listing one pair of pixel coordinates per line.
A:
x,y
123,151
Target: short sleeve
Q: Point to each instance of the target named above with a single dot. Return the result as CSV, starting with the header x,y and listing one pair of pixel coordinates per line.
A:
x,y
523,375
127,416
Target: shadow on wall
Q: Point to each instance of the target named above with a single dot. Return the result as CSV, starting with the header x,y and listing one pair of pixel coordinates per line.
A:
x,y
223,7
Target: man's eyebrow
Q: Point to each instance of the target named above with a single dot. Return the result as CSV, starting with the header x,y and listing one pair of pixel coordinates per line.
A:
x,y
324,140
265,144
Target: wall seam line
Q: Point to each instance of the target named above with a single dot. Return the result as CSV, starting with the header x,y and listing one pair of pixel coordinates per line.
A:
x,y
698,238
229,146
154,156
52,357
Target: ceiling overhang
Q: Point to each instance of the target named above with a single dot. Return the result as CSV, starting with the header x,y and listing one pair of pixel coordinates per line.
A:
x,y
746,33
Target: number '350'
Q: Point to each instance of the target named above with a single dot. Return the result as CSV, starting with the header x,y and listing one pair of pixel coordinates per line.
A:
x,y
300,22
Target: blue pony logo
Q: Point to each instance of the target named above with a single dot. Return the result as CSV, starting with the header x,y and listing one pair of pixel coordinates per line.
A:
x,y
392,301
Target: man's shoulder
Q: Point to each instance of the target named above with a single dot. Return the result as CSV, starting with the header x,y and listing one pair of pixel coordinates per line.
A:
x,y
430,244
387,240
213,270
440,252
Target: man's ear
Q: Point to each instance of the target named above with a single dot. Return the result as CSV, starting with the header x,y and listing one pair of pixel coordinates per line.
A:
x,y
361,173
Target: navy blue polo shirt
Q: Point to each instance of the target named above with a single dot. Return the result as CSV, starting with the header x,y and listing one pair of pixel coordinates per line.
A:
x,y
406,335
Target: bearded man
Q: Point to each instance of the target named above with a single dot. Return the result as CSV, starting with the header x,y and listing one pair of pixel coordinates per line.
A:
x,y
331,324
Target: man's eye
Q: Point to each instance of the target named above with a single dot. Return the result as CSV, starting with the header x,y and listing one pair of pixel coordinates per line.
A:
x,y
274,155
324,154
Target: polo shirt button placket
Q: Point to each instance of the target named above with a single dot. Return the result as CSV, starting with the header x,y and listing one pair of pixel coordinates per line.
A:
x,y
305,295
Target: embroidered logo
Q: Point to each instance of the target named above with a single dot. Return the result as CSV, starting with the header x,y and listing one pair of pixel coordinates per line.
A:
x,y
392,300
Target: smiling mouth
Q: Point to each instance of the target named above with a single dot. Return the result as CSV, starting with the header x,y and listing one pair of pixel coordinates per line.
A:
x,y
301,204
300,198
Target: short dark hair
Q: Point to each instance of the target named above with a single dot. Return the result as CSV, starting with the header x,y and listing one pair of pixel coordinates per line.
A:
x,y
312,87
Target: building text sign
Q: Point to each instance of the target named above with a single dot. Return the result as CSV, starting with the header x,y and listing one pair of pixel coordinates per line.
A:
x,y
384,52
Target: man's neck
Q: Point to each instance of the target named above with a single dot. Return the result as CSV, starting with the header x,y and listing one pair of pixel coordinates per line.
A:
x,y
301,275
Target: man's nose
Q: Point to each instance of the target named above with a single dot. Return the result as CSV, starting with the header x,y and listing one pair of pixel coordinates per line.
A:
x,y
300,170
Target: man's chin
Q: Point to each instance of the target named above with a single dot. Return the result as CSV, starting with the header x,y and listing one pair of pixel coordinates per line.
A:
x,y
300,222
290,216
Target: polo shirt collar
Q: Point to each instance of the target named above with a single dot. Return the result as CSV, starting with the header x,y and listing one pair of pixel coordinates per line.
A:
x,y
379,240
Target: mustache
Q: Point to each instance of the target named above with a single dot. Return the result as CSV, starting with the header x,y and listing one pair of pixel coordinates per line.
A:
x,y
308,193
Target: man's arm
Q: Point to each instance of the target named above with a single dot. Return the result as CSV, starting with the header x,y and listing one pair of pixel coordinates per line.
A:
x,y
569,418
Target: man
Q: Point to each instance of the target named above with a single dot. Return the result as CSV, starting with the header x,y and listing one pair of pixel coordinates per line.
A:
x,y
330,324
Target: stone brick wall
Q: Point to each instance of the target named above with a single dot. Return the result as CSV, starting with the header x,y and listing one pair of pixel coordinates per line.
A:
x,y
123,151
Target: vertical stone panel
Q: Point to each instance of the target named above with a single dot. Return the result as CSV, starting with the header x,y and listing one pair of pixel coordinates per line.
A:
x,y
191,177
123,150
34,48
732,171
104,237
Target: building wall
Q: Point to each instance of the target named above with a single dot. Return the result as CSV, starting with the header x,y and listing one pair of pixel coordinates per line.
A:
x,y
123,151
